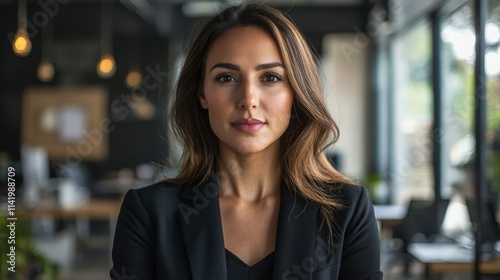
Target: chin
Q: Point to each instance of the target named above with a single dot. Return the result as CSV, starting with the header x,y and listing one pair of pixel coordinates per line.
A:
x,y
247,150
249,146
252,148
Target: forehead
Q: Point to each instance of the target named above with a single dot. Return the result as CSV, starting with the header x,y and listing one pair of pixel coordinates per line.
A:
x,y
248,44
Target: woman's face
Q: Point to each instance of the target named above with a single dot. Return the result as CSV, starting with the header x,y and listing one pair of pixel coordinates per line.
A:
x,y
246,91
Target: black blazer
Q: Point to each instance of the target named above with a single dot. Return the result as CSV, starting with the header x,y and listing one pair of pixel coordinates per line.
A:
x,y
166,231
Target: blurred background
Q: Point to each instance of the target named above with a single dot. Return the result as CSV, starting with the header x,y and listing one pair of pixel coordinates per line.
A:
x,y
84,87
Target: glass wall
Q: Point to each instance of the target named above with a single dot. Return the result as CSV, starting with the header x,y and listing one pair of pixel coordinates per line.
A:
x,y
412,116
412,110
492,57
458,58
457,136
410,105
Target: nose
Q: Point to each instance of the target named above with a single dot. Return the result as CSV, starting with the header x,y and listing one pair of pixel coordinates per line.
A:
x,y
249,96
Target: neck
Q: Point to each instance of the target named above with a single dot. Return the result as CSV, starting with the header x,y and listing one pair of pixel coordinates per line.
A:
x,y
249,177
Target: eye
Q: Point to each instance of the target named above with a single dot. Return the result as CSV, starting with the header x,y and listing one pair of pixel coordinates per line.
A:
x,y
225,78
271,78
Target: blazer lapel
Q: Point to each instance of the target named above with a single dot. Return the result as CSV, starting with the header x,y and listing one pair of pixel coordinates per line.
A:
x,y
297,231
201,224
202,229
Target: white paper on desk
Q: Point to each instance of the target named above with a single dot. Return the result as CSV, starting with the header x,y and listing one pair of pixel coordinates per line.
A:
x,y
71,195
71,123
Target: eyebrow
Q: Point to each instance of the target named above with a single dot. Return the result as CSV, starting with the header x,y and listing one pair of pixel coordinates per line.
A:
x,y
269,65
237,68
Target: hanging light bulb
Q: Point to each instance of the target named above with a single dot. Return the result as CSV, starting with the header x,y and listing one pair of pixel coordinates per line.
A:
x,y
106,67
21,44
134,76
133,79
45,71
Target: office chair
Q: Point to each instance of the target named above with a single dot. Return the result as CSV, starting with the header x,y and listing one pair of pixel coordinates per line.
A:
x,y
421,224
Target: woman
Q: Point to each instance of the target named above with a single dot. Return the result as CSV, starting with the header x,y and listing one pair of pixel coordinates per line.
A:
x,y
255,197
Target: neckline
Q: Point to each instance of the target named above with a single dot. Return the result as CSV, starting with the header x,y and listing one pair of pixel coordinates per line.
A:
x,y
263,260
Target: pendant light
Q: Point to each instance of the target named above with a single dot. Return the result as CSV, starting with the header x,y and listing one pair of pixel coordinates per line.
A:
x,y
134,76
46,70
21,45
106,67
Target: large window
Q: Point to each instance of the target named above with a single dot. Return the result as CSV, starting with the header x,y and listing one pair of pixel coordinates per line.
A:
x,y
458,55
457,137
492,57
411,132
459,97
412,117
493,92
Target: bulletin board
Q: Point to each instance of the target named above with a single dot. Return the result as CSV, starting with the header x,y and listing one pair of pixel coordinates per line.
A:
x,y
71,123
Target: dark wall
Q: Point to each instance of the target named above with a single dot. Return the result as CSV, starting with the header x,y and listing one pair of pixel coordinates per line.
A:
x,y
75,53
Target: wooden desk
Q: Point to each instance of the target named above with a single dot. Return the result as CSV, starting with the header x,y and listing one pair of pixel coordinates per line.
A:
x,y
95,209
389,216
440,258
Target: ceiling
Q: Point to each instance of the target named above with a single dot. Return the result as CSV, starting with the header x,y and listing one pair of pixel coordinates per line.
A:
x,y
163,15
158,12
284,2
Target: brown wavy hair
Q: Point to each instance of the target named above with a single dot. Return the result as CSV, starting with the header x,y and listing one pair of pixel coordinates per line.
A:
x,y
304,165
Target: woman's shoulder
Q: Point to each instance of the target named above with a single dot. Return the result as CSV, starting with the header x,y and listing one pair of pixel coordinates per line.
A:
x,y
354,199
161,186
349,193
159,193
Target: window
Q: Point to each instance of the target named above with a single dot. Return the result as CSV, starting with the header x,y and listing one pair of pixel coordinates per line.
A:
x,y
459,97
457,137
492,58
412,116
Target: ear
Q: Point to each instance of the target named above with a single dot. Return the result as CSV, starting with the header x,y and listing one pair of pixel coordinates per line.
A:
x,y
203,101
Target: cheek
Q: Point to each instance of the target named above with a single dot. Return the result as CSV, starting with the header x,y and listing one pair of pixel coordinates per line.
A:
x,y
216,103
283,108
218,109
216,99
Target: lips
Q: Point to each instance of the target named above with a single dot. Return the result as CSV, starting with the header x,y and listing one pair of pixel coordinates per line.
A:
x,y
248,125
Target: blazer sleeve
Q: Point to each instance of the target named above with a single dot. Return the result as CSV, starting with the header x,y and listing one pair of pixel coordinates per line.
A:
x,y
361,252
134,242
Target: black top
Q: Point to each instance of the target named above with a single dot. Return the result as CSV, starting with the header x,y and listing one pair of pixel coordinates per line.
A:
x,y
168,231
239,270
